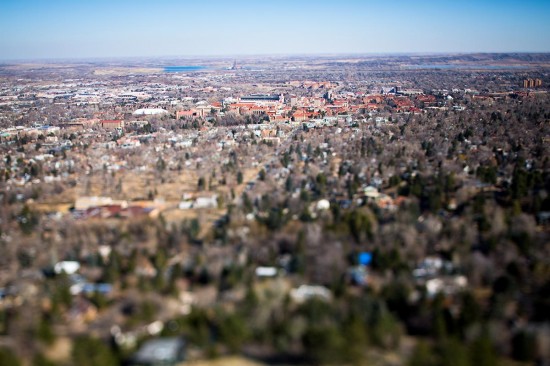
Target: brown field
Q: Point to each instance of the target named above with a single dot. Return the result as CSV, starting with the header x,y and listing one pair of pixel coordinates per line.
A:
x,y
108,71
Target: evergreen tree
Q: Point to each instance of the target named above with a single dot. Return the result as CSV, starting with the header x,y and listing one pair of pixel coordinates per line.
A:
x,y
422,355
453,353
323,344
482,351
40,360
8,357
89,351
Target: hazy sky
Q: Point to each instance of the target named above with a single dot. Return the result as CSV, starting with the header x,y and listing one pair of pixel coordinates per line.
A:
x,y
111,28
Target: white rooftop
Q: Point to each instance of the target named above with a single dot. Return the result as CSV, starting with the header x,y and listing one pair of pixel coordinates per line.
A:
x,y
150,111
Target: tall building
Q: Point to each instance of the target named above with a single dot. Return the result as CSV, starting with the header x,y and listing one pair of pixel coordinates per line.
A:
x,y
235,66
532,83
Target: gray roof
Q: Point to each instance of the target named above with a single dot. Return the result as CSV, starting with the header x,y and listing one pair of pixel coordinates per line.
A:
x,y
160,350
261,97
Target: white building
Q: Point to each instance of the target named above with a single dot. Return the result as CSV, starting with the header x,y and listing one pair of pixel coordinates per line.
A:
x,y
149,112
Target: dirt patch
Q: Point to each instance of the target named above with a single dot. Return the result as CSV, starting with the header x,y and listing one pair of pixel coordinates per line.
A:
x,y
126,70
60,351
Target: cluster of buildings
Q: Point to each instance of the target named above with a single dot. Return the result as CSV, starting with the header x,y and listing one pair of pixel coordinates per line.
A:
x,y
532,83
181,149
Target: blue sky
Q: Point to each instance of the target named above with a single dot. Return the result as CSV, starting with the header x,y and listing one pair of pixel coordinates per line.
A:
x,y
127,28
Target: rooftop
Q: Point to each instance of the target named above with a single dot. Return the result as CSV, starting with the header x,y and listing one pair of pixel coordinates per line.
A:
x,y
161,350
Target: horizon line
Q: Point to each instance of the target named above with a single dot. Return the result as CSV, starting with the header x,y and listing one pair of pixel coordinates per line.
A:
x,y
260,55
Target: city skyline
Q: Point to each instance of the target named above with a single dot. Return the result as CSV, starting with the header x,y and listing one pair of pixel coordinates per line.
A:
x,y
101,29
